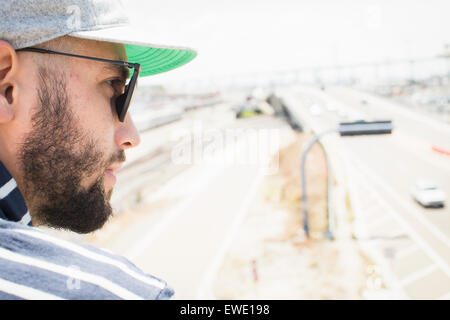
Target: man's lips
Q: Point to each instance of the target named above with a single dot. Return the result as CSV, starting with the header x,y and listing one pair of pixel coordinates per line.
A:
x,y
112,170
110,174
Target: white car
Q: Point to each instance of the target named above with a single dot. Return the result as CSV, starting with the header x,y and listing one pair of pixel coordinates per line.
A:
x,y
427,194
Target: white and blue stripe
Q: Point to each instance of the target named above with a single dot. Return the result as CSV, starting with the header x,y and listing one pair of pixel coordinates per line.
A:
x,y
12,204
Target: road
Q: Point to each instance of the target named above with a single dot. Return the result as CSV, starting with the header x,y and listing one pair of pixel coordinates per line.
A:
x,y
181,205
412,241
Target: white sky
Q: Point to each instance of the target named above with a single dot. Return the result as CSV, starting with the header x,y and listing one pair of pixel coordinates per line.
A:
x,y
234,37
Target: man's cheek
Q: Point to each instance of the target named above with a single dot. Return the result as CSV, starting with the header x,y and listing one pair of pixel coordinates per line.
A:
x,y
93,172
82,101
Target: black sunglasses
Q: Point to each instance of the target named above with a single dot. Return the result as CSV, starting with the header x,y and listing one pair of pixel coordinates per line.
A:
x,y
123,100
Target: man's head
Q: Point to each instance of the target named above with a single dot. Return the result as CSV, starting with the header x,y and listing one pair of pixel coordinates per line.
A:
x,y
60,135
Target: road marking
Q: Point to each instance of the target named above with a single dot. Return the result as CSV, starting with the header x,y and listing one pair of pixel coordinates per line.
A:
x,y
406,252
371,211
204,289
418,275
440,150
413,148
379,222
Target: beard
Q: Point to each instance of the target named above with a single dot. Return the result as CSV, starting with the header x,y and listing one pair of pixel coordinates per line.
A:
x,y
55,158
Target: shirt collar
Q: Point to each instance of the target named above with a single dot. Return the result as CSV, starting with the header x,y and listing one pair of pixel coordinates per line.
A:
x,y
12,204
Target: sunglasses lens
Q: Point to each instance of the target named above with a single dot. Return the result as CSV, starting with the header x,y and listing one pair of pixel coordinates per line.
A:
x,y
120,105
123,101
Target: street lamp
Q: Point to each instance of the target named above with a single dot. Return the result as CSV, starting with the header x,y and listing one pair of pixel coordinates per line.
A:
x,y
345,129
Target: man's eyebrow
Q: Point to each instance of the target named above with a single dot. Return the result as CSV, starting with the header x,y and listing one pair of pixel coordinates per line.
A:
x,y
122,71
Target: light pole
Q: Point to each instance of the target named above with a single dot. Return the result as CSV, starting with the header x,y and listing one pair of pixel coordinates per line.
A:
x,y
344,129
303,162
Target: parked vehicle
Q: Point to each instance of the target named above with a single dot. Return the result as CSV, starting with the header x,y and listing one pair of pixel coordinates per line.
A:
x,y
248,110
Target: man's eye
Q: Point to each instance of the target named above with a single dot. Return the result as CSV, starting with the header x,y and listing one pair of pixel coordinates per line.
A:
x,y
118,85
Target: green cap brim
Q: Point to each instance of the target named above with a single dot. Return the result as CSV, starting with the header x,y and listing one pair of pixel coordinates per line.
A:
x,y
153,56
157,60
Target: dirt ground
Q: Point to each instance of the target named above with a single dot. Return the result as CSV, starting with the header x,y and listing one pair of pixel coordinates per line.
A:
x,y
272,259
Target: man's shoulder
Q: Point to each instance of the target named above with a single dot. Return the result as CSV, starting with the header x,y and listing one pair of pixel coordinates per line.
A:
x,y
34,264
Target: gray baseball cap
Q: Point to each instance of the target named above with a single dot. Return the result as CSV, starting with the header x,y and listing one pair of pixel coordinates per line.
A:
x,y
24,23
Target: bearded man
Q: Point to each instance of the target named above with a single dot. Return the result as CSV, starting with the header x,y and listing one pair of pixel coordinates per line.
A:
x,y
68,71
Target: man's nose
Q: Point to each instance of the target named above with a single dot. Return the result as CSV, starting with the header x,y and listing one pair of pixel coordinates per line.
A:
x,y
127,135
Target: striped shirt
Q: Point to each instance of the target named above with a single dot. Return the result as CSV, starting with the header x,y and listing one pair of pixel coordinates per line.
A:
x,y
35,265
12,204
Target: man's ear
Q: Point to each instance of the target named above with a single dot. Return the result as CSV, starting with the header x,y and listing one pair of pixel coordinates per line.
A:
x,y
8,85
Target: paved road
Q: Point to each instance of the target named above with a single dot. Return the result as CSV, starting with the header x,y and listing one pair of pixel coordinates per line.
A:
x,y
412,240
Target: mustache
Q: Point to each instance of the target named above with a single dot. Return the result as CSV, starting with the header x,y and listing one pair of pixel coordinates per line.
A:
x,y
117,157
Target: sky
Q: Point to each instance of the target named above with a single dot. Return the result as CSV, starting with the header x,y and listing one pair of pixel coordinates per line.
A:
x,y
240,37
